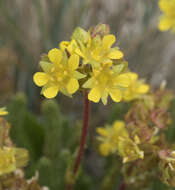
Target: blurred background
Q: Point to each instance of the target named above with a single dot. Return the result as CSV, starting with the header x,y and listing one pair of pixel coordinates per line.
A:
x,y
30,28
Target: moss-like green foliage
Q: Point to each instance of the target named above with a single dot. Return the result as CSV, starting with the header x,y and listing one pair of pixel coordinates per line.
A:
x,y
26,130
52,140
49,137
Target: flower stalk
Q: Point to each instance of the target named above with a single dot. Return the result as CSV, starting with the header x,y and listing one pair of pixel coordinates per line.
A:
x,y
123,186
84,132
83,137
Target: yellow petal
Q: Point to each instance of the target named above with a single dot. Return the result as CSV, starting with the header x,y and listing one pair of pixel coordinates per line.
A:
x,y
108,40
165,23
73,62
116,95
137,139
119,125
79,52
115,54
89,42
72,86
143,88
164,5
133,76
40,78
102,132
94,95
64,44
123,80
3,111
72,46
105,149
55,55
51,91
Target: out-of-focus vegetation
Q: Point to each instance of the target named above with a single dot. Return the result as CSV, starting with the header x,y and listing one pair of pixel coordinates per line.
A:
x,y
50,130
52,140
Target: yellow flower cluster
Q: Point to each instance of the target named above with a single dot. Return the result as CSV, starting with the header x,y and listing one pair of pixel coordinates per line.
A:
x,y
116,138
136,88
12,158
88,61
167,20
3,111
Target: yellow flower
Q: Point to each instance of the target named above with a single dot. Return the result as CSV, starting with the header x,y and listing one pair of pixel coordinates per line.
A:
x,y
129,150
167,20
106,81
135,89
69,46
3,111
98,50
59,74
106,148
7,160
109,137
12,158
116,138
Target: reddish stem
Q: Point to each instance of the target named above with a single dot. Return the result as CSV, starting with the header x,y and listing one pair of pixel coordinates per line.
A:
x,y
123,186
83,137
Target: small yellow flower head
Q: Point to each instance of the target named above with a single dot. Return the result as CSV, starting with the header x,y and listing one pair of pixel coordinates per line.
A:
x,y
129,150
167,20
116,138
136,88
7,160
12,158
3,111
59,74
109,137
106,81
98,50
